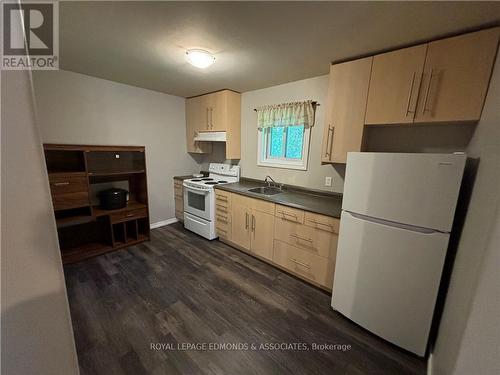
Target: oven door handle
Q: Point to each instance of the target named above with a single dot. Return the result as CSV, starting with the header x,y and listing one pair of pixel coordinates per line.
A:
x,y
195,190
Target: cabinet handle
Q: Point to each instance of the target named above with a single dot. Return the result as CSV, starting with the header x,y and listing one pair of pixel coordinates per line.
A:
x,y
211,118
319,223
300,263
129,215
285,214
296,236
424,108
253,223
61,183
208,121
246,220
222,218
328,149
409,95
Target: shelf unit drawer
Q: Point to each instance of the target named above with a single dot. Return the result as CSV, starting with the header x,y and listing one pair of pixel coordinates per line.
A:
x,y
290,214
303,263
128,215
316,241
322,222
223,199
70,200
64,184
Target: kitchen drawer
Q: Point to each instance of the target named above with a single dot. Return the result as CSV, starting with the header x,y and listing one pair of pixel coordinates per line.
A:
x,y
309,266
223,199
290,214
68,184
117,217
223,231
70,200
223,217
316,241
222,210
322,222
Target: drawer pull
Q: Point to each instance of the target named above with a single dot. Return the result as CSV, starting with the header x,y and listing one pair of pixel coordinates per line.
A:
x,y
296,236
300,263
221,198
320,223
285,214
129,215
61,183
222,218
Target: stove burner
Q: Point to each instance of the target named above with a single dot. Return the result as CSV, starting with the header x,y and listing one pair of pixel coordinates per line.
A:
x,y
196,180
211,183
222,182
207,179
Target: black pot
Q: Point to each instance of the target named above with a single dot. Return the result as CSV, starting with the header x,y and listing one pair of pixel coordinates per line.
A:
x,y
113,199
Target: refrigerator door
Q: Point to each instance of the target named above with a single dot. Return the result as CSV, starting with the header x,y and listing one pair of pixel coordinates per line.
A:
x,y
387,279
415,189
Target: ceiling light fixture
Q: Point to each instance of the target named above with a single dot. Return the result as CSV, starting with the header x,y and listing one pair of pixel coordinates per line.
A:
x,y
200,58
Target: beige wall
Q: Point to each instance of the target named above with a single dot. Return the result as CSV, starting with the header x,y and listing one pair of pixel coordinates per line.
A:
x,y
37,336
75,108
469,334
314,89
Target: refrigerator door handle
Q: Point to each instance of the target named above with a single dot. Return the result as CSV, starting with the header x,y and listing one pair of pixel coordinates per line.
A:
x,y
389,223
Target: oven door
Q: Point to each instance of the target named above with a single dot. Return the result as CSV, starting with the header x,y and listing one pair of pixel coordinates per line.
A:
x,y
197,202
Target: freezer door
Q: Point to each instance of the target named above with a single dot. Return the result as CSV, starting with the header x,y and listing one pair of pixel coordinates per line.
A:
x,y
415,189
387,279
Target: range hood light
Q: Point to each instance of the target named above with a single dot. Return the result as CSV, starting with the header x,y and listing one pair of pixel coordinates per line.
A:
x,y
199,58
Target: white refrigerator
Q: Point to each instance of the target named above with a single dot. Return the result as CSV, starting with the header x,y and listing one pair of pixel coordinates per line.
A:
x,y
397,214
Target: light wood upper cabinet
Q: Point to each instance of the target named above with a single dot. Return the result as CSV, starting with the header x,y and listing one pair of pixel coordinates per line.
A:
x,y
346,105
218,111
441,81
394,86
195,122
456,77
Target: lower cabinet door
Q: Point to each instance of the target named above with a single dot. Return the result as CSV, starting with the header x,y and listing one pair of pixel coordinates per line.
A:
x,y
262,234
240,226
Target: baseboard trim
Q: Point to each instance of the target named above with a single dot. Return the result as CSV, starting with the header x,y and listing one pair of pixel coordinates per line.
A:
x,y
162,223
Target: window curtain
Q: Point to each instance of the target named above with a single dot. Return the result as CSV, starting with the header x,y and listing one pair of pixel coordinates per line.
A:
x,y
286,114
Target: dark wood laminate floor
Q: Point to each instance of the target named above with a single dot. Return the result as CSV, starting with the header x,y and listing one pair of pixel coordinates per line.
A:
x,y
180,289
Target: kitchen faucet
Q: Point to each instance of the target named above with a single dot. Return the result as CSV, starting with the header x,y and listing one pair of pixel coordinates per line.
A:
x,y
272,183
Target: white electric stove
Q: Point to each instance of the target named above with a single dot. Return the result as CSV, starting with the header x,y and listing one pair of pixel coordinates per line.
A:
x,y
199,198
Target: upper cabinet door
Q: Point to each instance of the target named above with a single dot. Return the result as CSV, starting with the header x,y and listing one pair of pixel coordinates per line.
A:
x,y
394,86
346,106
217,111
456,77
195,122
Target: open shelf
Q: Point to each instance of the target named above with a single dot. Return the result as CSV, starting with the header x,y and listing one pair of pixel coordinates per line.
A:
x,y
131,205
115,173
64,161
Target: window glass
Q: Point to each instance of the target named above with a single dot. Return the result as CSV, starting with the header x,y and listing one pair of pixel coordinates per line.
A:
x,y
276,142
294,142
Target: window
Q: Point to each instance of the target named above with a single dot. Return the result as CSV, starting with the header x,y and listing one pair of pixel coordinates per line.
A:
x,y
283,147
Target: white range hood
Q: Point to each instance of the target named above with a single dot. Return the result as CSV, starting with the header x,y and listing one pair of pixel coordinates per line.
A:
x,y
210,137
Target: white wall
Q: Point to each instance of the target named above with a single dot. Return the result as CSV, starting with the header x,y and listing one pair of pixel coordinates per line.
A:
x,y
37,336
308,89
469,334
75,108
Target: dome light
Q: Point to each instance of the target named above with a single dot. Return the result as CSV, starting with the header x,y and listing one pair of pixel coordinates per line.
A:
x,y
200,58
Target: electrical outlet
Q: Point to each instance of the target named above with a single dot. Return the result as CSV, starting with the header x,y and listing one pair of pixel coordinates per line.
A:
x,y
328,181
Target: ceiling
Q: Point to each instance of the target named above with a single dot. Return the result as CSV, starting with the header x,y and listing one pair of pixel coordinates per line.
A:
x,y
257,44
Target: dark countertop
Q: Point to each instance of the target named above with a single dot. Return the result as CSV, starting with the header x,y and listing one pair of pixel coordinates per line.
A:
x,y
182,178
318,202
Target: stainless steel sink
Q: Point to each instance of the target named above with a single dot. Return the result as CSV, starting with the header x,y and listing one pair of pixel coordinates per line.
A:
x,y
266,190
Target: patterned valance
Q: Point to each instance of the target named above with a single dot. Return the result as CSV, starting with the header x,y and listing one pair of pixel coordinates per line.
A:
x,y
286,114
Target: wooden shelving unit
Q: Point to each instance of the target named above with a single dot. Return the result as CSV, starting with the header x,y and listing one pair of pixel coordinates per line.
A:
x,y
75,172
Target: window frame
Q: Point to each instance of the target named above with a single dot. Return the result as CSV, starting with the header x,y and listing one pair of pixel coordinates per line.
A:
x,y
264,160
